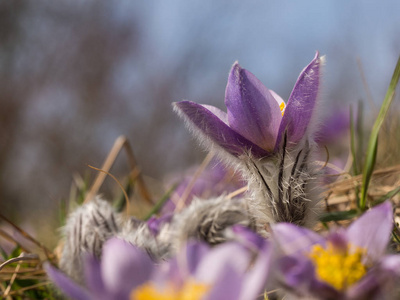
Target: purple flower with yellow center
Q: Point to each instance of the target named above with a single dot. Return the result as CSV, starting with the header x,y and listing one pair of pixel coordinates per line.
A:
x,y
198,272
256,117
348,264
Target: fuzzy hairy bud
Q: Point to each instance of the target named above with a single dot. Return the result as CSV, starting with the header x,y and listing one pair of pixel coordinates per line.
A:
x,y
86,230
207,220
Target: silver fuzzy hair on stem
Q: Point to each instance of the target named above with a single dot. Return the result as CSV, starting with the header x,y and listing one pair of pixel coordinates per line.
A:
x,y
284,187
92,224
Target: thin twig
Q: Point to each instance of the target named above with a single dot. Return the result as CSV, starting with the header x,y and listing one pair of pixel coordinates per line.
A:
x,y
8,289
27,288
116,180
111,157
26,235
326,160
13,240
140,181
30,271
23,256
237,192
188,189
120,142
358,178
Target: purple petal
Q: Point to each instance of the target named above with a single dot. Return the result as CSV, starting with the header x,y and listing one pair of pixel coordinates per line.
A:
x,y
248,238
338,239
391,264
227,284
256,278
169,272
195,252
372,230
212,127
299,275
67,285
301,103
293,239
218,258
325,291
124,267
93,278
155,223
298,272
223,116
223,268
277,98
184,264
381,282
252,110
367,288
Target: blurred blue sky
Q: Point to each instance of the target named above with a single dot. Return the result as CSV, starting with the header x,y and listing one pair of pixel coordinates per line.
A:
x,y
274,40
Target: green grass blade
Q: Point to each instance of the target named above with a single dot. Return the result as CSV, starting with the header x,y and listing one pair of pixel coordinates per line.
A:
x,y
353,144
157,207
355,151
373,139
360,136
339,215
389,195
395,237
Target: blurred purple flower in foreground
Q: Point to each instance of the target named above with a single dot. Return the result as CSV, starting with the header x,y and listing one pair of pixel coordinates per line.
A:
x,y
348,264
256,117
198,272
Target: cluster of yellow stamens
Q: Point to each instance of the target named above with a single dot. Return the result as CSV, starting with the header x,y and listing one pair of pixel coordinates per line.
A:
x,y
282,107
339,267
190,290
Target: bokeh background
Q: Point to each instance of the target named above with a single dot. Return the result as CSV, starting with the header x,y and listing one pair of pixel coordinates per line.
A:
x,y
74,75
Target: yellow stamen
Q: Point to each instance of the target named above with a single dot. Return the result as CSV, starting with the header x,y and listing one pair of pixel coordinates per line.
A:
x,y
190,290
282,107
340,268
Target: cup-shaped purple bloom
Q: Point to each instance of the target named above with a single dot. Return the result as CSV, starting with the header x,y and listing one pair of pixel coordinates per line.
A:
x,y
256,118
197,272
347,264
268,141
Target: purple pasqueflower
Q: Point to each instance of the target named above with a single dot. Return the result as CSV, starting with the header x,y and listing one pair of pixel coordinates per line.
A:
x,y
269,142
347,264
256,118
198,272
